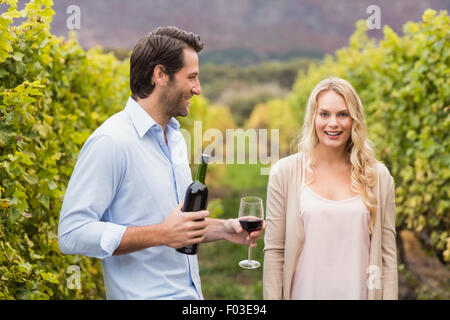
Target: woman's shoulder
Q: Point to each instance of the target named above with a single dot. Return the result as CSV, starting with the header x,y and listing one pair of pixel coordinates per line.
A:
x,y
290,160
381,168
286,165
383,172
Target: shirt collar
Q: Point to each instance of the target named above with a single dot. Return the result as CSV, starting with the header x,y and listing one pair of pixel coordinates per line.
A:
x,y
142,121
174,123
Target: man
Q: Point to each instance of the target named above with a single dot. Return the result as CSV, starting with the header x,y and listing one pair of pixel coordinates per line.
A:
x,y
124,199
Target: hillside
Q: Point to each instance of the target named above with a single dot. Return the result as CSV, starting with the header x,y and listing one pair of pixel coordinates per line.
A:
x,y
237,30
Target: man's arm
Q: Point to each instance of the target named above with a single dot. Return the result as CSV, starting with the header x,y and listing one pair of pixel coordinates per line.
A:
x,y
179,229
94,182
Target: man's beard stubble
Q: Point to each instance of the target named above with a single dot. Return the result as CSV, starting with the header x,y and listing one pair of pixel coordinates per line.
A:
x,y
172,101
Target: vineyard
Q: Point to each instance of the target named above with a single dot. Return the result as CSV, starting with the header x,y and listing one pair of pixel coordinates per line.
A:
x,y
54,94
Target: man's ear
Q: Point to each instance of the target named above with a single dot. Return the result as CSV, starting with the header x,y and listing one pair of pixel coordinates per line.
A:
x,y
159,77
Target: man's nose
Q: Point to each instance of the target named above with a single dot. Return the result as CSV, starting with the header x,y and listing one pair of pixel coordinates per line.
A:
x,y
197,89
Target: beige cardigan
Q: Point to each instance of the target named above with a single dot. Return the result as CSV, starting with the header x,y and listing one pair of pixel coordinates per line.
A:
x,y
284,235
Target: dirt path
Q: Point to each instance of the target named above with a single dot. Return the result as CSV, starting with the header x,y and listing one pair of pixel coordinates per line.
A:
x,y
426,269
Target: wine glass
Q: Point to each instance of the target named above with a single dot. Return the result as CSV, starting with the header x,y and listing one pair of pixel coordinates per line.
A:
x,y
251,217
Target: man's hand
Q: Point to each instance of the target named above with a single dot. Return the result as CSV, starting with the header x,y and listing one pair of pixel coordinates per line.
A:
x,y
181,228
236,234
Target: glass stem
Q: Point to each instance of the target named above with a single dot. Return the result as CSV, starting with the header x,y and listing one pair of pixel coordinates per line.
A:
x,y
250,253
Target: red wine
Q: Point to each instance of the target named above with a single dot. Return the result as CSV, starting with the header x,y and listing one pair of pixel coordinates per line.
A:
x,y
196,198
250,224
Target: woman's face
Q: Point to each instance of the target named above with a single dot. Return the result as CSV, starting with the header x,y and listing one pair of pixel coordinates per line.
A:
x,y
333,122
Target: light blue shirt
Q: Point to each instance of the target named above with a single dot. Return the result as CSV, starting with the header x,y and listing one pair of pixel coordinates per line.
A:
x,y
126,175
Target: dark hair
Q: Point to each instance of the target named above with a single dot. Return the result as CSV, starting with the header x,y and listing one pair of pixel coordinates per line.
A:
x,y
163,46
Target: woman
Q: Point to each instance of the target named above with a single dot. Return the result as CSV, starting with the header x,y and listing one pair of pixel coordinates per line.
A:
x,y
331,208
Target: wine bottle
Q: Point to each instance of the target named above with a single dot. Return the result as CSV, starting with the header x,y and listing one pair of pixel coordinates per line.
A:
x,y
196,198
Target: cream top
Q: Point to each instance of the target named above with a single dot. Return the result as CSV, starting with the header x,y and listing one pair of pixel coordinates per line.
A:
x,y
335,257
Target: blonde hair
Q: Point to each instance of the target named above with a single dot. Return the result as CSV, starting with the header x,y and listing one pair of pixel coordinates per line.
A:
x,y
359,151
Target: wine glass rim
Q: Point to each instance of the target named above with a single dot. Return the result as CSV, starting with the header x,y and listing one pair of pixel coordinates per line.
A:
x,y
251,199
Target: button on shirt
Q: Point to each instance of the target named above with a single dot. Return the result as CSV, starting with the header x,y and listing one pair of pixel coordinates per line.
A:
x,y
126,175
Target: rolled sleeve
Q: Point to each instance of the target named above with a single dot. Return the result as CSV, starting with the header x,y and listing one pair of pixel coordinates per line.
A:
x,y
111,237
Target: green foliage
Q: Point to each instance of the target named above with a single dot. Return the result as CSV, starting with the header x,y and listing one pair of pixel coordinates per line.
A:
x,y
52,96
404,85
276,114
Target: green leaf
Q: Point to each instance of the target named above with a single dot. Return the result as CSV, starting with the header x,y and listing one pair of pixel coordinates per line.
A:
x,y
50,277
14,214
18,56
3,73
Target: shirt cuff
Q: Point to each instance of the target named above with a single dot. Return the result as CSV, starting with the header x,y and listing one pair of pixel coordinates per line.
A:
x,y
111,237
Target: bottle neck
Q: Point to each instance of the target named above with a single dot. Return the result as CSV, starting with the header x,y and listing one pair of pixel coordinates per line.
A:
x,y
201,171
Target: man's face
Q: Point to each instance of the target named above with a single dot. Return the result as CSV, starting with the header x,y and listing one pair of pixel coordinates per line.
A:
x,y
183,86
